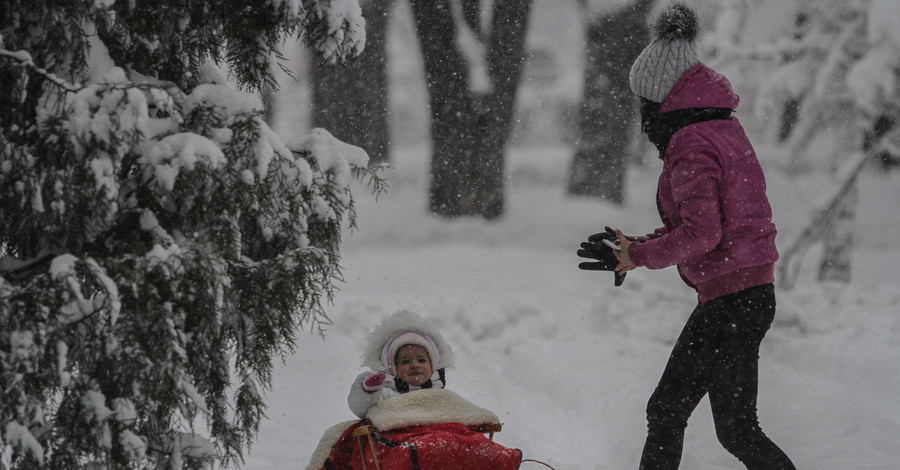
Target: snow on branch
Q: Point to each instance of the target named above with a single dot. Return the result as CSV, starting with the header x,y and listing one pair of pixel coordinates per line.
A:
x,y
23,59
335,29
14,269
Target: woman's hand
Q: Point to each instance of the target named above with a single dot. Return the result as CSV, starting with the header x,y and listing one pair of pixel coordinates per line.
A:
x,y
625,263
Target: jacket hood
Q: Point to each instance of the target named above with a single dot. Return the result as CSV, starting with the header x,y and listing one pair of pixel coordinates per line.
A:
x,y
700,87
398,323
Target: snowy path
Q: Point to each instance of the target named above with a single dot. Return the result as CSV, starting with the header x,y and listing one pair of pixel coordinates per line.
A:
x,y
567,360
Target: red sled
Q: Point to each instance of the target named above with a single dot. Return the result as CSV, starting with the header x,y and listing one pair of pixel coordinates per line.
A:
x,y
431,429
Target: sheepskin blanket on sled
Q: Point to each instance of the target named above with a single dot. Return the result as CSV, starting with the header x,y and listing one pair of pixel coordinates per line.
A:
x,y
420,407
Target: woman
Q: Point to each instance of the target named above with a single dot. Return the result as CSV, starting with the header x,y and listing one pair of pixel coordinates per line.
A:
x,y
718,230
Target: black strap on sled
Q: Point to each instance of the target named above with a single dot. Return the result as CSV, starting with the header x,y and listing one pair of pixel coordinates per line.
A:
x,y
413,455
383,440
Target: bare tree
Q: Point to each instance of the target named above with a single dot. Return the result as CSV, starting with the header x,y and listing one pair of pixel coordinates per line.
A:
x,y
470,127
614,40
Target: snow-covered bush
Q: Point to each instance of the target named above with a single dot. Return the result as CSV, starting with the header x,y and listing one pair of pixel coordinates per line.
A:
x,y
823,77
822,80
159,243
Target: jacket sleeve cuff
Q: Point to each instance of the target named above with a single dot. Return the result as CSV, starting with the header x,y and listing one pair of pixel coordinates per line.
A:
x,y
636,254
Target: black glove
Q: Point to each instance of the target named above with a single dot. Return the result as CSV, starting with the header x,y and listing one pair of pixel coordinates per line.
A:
x,y
594,248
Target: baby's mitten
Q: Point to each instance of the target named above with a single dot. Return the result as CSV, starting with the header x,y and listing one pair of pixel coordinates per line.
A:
x,y
374,382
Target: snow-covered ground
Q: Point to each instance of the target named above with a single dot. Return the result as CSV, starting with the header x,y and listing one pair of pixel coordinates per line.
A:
x,y
567,360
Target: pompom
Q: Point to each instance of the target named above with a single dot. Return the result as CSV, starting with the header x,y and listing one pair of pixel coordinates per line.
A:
x,y
678,22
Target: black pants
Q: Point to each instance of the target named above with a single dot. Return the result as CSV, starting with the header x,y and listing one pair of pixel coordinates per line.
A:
x,y
717,353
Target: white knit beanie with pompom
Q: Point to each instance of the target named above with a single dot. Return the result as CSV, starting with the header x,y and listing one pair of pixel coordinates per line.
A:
x,y
669,56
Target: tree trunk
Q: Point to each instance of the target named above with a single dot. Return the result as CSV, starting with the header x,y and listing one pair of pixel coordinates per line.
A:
x,y
837,256
838,250
608,105
789,116
505,58
447,76
836,262
469,132
884,124
841,207
351,99
269,104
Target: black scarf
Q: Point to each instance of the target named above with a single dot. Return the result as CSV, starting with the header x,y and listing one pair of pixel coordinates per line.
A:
x,y
660,127
437,380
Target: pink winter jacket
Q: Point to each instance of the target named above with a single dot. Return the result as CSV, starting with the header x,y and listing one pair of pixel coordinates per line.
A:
x,y
711,197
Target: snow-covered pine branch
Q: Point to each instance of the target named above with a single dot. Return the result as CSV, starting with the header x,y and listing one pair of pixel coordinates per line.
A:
x,y
23,59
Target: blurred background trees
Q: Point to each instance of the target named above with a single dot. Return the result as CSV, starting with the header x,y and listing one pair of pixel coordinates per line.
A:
x,y
473,53
818,87
825,94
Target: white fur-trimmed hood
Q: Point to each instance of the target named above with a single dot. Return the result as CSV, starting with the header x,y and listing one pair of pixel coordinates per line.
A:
x,y
404,320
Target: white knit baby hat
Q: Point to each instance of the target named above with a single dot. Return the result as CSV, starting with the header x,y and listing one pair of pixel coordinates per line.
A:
x,y
669,56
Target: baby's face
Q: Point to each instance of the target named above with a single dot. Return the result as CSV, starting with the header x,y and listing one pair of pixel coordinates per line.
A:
x,y
413,366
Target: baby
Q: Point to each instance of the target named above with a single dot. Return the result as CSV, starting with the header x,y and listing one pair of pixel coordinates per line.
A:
x,y
404,353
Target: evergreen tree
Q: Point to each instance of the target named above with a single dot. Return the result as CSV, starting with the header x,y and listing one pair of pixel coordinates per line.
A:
x,y
159,244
